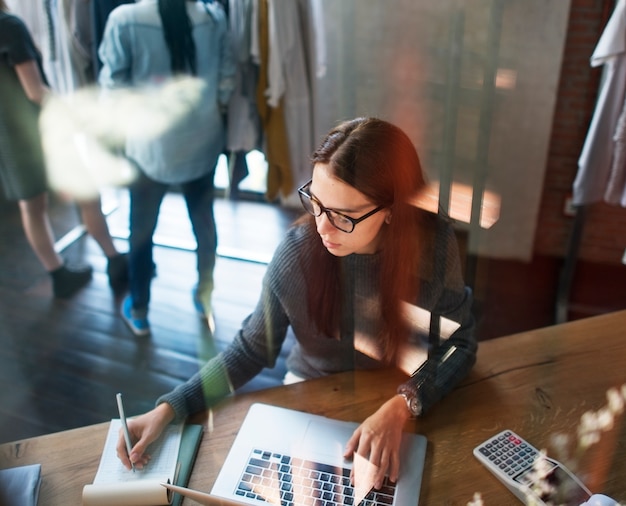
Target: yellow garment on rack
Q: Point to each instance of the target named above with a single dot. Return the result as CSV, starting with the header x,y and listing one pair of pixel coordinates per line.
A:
x,y
279,175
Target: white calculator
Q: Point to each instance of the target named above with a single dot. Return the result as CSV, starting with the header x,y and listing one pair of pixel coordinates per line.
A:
x,y
511,459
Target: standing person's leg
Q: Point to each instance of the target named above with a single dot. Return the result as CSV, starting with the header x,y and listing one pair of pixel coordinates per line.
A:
x,y
96,225
145,200
199,199
65,280
36,224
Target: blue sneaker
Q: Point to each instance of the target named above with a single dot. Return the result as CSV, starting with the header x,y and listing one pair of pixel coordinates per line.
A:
x,y
200,309
137,321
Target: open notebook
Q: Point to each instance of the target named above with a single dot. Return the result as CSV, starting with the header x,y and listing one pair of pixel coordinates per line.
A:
x,y
172,458
282,456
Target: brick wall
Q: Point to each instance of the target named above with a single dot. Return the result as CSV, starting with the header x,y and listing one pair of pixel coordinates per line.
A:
x,y
604,234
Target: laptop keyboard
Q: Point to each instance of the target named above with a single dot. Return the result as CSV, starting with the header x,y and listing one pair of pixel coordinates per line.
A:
x,y
280,479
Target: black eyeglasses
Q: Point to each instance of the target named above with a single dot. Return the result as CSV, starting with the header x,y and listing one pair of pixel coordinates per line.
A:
x,y
337,219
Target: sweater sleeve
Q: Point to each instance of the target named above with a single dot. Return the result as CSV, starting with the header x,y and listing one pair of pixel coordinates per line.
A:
x,y
203,389
255,346
450,359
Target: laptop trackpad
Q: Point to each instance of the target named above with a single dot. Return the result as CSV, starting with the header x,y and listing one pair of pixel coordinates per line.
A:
x,y
326,438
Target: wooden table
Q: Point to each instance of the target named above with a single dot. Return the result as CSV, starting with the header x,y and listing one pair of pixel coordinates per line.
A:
x,y
537,383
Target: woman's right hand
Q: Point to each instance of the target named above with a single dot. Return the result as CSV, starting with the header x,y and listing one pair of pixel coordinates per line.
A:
x,y
143,429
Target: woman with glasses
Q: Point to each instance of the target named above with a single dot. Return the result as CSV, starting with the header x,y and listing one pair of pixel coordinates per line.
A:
x,y
352,281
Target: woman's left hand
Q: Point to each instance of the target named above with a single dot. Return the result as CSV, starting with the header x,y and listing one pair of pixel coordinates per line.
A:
x,y
378,439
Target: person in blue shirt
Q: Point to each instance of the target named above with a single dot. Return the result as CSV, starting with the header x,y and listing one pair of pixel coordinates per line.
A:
x,y
147,45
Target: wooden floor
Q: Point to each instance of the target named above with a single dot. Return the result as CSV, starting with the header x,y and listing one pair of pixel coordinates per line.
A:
x,y
61,362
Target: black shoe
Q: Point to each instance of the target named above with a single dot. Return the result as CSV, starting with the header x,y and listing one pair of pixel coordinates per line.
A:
x,y
66,281
117,270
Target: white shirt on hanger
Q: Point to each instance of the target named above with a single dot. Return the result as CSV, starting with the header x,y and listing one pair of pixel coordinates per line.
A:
x,y
596,160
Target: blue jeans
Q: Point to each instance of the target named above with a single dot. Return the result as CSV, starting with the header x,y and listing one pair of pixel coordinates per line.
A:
x,y
146,196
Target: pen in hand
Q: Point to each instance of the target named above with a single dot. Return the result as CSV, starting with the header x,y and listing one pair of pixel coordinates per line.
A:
x,y
129,446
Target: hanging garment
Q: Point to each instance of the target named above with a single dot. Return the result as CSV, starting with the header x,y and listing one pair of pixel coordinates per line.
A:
x,y
616,185
316,33
289,84
66,57
313,17
595,165
77,30
276,147
244,128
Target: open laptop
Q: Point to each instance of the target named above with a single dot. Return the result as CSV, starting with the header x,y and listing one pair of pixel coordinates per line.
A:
x,y
283,456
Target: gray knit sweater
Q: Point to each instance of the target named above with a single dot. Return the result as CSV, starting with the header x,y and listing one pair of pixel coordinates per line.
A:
x,y
282,308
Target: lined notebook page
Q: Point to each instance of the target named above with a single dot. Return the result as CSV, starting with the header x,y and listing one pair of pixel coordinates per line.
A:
x,y
162,465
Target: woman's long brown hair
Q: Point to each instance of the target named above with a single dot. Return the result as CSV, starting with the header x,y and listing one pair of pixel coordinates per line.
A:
x,y
379,160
